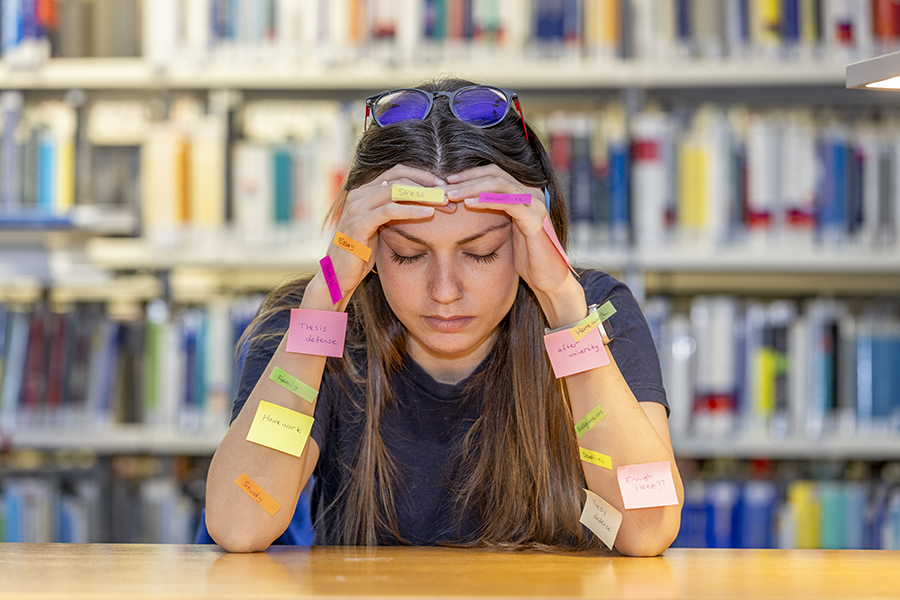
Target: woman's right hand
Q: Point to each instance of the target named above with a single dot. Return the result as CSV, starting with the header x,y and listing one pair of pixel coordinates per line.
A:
x,y
365,210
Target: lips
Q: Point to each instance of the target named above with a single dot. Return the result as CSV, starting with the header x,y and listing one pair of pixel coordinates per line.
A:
x,y
448,324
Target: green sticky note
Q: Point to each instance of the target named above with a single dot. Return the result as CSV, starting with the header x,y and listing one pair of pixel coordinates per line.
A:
x,y
589,420
592,320
606,311
293,384
596,458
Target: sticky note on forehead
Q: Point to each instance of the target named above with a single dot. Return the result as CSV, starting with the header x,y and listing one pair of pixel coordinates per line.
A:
x,y
602,518
409,193
318,332
280,428
269,504
647,485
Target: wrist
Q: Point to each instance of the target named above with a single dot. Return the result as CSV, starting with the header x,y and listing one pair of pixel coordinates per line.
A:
x,y
317,297
564,305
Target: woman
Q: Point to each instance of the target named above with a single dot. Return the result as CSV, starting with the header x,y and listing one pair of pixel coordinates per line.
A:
x,y
443,422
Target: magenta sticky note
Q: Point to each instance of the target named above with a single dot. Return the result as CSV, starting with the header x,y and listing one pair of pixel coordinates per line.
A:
x,y
548,228
319,332
504,198
331,281
569,356
647,485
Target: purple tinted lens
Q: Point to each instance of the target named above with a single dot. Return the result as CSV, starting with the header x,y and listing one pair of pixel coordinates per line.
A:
x,y
481,106
400,106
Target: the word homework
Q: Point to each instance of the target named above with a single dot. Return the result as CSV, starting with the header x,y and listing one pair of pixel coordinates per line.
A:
x,y
602,518
269,503
409,193
280,428
593,320
318,332
647,485
568,356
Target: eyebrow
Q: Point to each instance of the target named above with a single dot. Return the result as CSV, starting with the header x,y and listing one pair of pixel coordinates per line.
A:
x,y
461,242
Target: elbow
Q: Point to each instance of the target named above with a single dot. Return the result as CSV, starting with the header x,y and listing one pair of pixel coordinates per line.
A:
x,y
231,538
651,541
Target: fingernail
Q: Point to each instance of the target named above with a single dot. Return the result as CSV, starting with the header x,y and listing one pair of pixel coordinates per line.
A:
x,y
453,177
439,181
452,193
469,201
425,211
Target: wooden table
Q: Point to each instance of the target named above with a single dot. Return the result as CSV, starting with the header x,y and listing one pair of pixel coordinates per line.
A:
x,y
139,571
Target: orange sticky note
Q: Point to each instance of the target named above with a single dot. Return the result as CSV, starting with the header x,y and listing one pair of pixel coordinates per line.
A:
x,y
409,193
647,485
269,503
352,246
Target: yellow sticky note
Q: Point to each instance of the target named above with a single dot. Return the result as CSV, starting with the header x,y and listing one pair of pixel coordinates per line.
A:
x,y
602,518
409,193
289,382
352,246
280,428
269,503
589,420
595,458
584,327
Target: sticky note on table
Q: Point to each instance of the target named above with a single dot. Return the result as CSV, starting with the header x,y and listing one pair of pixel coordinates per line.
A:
x,y
569,356
504,198
334,288
595,458
319,332
289,382
602,518
548,229
409,193
647,485
280,428
589,420
355,248
269,503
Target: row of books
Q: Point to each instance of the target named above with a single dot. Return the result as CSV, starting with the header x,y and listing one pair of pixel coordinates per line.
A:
x,y
780,369
79,366
831,514
339,31
120,500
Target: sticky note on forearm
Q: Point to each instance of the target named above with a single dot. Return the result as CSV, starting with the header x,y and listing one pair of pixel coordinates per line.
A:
x,y
269,503
589,420
548,229
602,518
280,428
647,485
355,248
596,458
291,383
334,288
504,198
409,193
318,332
569,356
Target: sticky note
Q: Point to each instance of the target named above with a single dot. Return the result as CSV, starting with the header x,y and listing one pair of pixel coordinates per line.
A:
x,y
319,332
352,246
602,518
254,491
288,381
504,198
280,428
548,228
334,288
606,311
569,356
408,193
647,485
593,320
596,458
589,420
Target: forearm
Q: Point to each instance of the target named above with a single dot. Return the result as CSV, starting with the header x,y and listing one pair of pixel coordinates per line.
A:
x,y
235,520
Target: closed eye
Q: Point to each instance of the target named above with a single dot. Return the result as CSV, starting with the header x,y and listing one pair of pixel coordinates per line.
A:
x,y
483,258
404,260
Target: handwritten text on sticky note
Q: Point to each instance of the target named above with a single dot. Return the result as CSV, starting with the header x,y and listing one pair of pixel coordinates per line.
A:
x,y
358,249
289,382
280,428
569,356
595,458
589,420
319,332
504,198
602,518
269,503
408,193
331,280
548,228
647,485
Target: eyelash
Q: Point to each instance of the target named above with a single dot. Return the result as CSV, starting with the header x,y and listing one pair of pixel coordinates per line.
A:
x,y
481,258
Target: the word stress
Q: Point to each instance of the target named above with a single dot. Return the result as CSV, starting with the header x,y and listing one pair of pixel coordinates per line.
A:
x,y
318,332
268,503
280,428
602,518
408,193
569,357
647,485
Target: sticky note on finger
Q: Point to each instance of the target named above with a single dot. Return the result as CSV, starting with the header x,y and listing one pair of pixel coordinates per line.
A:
x,y
647,485
280,428
548,229
504,198
318,332
355,248
269,504
602,518
409,193
595,458
568,356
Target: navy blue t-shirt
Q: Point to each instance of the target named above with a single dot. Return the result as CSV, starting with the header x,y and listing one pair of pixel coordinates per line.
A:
x,y
428,419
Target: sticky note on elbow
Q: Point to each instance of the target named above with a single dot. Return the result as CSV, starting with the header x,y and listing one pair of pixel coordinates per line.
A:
x,y
280,428
409,193
602,518
647,485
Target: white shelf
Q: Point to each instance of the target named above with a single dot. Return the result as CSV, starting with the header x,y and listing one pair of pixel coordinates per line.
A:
x,y
859,447
135,73
119,439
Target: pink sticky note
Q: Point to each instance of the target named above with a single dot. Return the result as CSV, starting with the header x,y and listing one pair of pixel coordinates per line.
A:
x,y
548,228
319,332
331,281
504,198
569,356
647,485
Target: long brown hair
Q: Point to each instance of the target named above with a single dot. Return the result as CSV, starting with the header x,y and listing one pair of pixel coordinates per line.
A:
x,y
520,477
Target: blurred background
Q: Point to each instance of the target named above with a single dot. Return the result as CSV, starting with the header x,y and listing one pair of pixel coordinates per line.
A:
x,y
164,163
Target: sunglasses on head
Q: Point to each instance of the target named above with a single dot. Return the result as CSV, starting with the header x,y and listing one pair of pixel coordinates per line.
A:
x,y
477,105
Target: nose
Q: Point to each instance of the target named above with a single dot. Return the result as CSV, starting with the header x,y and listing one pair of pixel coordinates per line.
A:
x,y
445,285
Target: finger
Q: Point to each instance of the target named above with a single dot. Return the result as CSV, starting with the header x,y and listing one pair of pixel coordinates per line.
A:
x,y
476,172
420,177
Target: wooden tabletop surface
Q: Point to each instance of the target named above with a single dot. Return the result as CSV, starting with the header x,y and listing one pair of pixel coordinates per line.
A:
x,y
136,571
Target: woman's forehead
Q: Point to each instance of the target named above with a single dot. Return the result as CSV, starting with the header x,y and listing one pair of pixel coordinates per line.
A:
x,y
464,223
